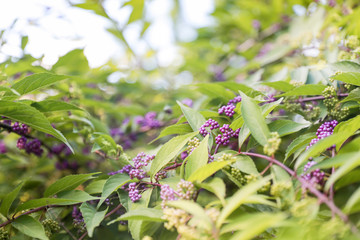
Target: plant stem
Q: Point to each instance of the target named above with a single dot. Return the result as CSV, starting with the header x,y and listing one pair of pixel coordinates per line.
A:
x,y
173,166
322,197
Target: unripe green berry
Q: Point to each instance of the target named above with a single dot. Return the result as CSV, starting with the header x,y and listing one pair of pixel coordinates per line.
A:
x,y
272,144
352,41
4,234
192,144
280,187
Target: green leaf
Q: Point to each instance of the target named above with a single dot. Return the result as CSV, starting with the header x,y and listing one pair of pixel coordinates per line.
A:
x,y
349,165
245,164
26,114
353,204
346,129
144,214
354,95
52,106
348,77
336,161
92,218
280,85
36,81
194,209
194,118
168,151
136,226
346,66
252,225
286,127
30,227
95,186
137,11
198,158
299,142
174,129
112,184
239,198
254,120
35,203
202,173
67,183
308,89
216,186
215,90
9,199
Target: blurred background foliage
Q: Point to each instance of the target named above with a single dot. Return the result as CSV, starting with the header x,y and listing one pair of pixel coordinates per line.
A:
x,y
252,42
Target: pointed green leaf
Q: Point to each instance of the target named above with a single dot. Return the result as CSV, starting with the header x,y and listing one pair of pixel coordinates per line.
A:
x,y
206,171
198,158
305,90
299,142
239,198
52,106
92,218
353,204
144,214
30,227
348,77
36,81
254,119
194,118
67,183
169,151
26,114
216,186
112,184
9,199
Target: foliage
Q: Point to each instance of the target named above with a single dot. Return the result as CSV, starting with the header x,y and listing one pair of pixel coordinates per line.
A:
x,y
263,145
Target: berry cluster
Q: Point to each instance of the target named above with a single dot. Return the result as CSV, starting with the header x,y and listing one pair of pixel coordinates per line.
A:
x,y
160,175
31,146
140,161
227,133
134,193
211,124
66,165
167,194
331,101
126,169
50,226
278,188
325,130
192,144
4,234
185,189
22,129
252,178
58,149
272,144
315,176
78,220
149,121
229,109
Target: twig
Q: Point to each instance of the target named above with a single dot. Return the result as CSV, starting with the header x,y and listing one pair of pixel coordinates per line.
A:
x,y
173,166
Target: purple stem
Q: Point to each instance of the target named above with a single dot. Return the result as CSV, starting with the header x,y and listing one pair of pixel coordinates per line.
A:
x,y
322,197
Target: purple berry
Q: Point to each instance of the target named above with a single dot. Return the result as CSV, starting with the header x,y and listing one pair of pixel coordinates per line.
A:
x,y
316,176
21,142
211,124
133,192
2,147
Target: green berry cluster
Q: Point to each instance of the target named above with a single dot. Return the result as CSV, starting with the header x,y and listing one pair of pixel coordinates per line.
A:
x,y
174,218
272,144
311,113
292,106
226,157
252,178
331,102
277,189
51,226
213,214
238,175
192,144
330,96
352,42
4,234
